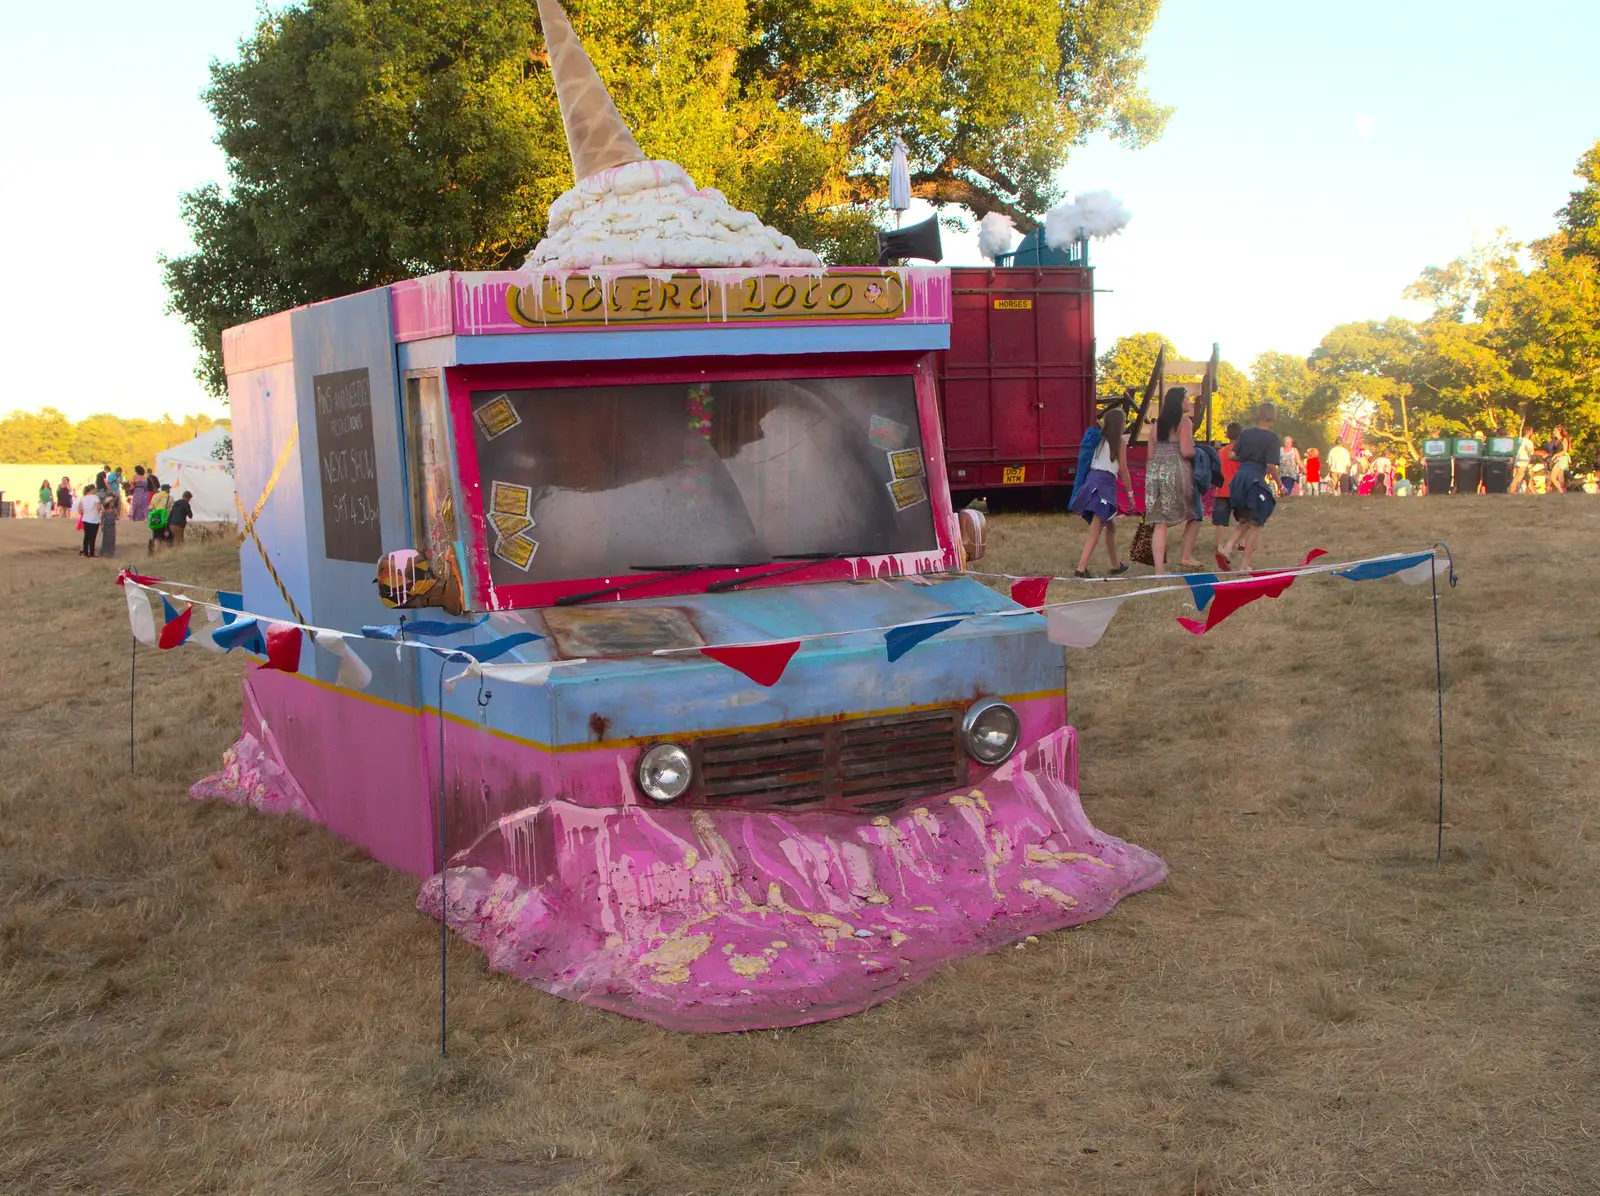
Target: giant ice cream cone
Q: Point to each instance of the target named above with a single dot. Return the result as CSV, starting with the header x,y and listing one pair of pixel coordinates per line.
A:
x,y
626,210
597,138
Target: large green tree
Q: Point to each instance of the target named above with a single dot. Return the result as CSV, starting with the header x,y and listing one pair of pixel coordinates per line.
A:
x,y
1127,364
371,140
1366,368
1580,217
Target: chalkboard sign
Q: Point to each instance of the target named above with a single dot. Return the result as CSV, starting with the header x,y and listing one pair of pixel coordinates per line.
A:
x,y
348,465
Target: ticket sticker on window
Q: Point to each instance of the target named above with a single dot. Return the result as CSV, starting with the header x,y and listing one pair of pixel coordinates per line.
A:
x,y
906,463
886,434
506,499
908,492
510,525
517,550
498,415
447,517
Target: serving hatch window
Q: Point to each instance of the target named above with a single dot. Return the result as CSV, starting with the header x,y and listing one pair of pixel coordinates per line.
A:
x,y
585,482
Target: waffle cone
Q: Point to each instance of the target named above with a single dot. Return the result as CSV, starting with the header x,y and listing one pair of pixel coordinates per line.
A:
x,y
597,138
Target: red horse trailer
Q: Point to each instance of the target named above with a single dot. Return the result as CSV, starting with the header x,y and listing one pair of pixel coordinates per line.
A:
x,y
1017,385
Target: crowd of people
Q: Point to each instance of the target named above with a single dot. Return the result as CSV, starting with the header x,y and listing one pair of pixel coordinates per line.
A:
x,y
1236,484
99,506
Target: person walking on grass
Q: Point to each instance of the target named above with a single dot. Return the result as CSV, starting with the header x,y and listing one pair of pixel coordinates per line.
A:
x,y
1169,477
1558,456
47,499
64,498
139,496
110,512
1338,469
156,520
1251,495
1220,506
1313,471
89,515
1289,466
1522,464
1094,496
178,516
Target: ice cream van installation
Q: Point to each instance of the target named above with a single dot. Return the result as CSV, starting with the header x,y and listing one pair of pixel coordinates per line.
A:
x,y
724,740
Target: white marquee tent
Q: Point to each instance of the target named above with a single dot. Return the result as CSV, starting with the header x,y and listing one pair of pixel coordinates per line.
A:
x,y
192,467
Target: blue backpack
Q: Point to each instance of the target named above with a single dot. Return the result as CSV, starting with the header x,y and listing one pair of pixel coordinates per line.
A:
x,y
1207,467
1087,448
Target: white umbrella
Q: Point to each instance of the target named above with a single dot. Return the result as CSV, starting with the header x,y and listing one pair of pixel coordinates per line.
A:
x,y
899,181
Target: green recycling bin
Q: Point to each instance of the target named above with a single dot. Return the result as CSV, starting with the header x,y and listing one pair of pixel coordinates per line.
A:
x,y
1468,454
1497,456
1439,471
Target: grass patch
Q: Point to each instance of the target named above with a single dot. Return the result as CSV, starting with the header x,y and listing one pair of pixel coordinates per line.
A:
x,y
199,999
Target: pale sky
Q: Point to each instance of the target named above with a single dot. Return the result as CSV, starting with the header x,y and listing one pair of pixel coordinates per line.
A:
x,y
1319,158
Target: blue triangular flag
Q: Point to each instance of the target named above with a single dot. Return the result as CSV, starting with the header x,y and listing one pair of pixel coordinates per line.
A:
x,y
232,605
900,640
499,647
241,633
1372,570
1201,587
419,629
169,613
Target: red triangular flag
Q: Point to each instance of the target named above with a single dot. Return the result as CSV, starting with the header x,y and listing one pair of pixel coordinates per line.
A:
x,y
1029,591
175,631
1229,596
130,575
283,648
762,663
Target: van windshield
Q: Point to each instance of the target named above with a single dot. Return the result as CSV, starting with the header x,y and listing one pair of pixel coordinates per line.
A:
x,y
587,482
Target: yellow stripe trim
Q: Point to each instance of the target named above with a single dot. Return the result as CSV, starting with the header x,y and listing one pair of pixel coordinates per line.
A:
x,y
614,744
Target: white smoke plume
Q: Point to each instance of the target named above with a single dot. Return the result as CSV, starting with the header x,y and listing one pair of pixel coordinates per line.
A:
x,y
1090,214
996,235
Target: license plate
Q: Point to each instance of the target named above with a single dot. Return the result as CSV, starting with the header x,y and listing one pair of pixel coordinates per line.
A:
x,y
1011,474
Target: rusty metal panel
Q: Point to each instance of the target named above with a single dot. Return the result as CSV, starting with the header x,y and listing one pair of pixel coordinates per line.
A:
x,y
612,630
859,764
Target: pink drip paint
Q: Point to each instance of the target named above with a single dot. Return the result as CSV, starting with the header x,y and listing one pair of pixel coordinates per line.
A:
x,y
697,919
728,920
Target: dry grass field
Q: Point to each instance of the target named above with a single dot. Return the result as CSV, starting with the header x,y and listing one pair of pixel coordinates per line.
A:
x,y
199,999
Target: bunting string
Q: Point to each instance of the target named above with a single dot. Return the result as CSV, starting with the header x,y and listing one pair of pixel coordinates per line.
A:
x,y
1075,623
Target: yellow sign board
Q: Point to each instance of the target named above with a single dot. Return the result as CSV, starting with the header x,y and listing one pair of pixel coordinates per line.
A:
x,y
582,300
1013,304
1012,474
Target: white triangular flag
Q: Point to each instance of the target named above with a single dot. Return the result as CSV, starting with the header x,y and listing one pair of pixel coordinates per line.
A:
x,y
202,636
511,674
353,671
140,617
1417,574
1081,624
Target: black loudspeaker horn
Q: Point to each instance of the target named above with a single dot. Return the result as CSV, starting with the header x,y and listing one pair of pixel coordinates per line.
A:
x,y
916,240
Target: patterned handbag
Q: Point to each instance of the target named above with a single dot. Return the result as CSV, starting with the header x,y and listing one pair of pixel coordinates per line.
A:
x,y
1141,552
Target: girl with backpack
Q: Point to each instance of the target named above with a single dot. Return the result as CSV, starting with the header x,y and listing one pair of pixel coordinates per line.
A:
x,y
156,520
1094,495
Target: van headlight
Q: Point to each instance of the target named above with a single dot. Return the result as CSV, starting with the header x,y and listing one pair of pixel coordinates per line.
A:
x,y
665,772
990,731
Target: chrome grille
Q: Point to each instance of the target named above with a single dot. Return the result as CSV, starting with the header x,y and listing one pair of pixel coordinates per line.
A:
x,y
859,764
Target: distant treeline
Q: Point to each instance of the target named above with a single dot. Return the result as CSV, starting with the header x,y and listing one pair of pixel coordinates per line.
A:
x,y
29,437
